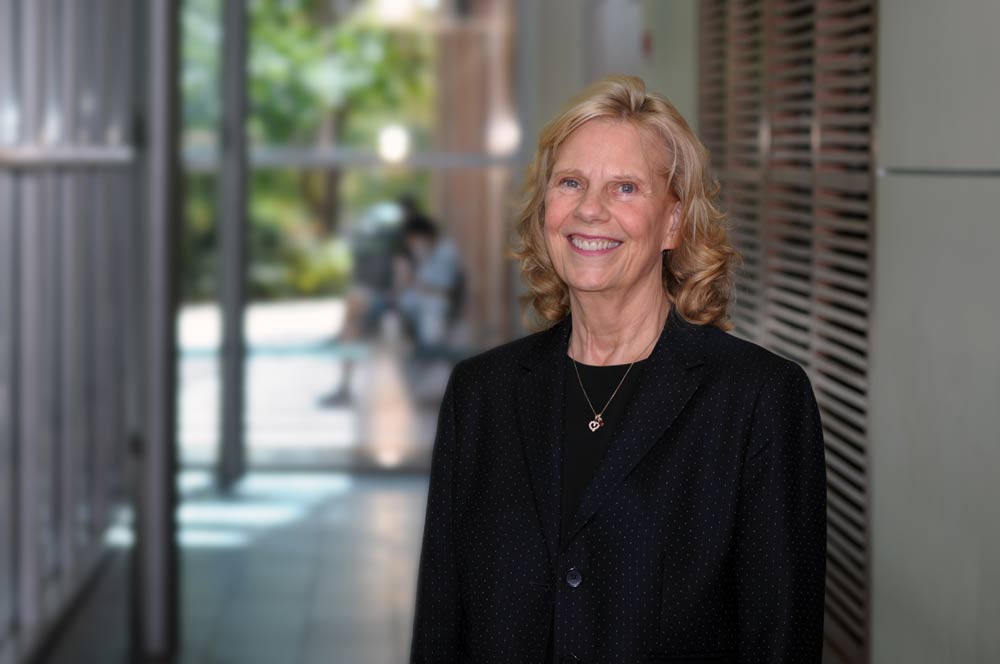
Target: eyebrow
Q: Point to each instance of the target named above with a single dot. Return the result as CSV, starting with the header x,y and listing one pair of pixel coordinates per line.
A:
x,y
617,177
628,176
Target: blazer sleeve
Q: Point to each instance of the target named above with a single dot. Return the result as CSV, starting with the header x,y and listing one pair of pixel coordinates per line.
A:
x,y
437,617
781,530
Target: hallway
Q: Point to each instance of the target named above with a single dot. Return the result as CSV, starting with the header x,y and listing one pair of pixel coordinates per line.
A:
x,y
302,568
216,214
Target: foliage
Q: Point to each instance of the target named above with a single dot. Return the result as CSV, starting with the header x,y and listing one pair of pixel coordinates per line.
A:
x,y
201,65
310,69
199,238
315,79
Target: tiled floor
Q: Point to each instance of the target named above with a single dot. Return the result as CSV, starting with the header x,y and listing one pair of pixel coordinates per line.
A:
x,y
293,568
328,575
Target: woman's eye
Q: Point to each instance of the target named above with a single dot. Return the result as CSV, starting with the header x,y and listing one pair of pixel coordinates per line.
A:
x,y
626,188
570,182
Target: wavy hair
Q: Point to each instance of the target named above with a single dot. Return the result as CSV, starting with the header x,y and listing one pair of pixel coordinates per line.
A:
x,y
697,275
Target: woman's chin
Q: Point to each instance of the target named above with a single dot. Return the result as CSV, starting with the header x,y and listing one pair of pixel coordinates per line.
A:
x,y
589,287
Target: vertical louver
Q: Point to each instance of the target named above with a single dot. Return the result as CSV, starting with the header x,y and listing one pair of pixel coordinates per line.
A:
x,y
786,108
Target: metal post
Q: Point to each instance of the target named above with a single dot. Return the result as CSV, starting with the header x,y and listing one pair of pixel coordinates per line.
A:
x,y
157,628
30,350
232,221
9,107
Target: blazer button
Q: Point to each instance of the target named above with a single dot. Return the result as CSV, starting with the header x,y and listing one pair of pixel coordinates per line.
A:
x,y
573,577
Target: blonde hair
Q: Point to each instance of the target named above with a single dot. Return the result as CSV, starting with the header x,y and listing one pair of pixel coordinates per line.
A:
x,y
697,275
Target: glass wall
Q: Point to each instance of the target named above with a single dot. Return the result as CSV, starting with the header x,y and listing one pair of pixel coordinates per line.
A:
x,y
381,141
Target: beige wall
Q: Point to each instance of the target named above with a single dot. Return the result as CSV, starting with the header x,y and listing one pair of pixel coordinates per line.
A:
x,y
672,67
935,347
554,64
556,36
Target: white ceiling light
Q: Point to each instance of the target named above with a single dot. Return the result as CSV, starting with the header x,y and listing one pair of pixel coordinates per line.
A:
x,y
503,135
393,143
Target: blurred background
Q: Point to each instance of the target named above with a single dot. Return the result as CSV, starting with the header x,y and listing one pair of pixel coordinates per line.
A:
x,y
243,243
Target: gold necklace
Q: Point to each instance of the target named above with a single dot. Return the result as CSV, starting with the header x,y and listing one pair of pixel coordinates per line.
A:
x,y
598,420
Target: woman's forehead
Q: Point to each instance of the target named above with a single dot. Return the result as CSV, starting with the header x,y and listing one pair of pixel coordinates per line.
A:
x,y
612,147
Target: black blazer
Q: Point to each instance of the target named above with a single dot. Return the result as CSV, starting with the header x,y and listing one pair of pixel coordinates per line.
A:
x,y
701,537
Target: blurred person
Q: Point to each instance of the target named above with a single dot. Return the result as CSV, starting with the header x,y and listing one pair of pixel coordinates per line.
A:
x,y
631,483
376,246
431,298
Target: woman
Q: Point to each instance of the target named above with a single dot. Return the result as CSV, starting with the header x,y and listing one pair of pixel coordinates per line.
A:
x,y
632,483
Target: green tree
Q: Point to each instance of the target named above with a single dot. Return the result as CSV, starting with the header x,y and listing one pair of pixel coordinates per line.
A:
x,y
316,77
324,79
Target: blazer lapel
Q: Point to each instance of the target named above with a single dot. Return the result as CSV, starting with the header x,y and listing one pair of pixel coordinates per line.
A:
x,y
671,376
540,420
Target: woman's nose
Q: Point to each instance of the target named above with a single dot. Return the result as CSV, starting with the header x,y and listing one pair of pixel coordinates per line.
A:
x,y
591,207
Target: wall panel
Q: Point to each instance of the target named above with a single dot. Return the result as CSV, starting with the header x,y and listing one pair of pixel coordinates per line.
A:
x,y
936,386
787,105
939,84
65,170
935,346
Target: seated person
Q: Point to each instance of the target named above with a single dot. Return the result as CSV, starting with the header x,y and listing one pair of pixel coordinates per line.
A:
x,y
431,298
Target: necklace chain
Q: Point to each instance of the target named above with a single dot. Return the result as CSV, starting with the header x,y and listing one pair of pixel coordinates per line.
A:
x,y
598,420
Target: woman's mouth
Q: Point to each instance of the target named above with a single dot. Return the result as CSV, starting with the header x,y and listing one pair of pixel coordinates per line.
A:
x,y
592,246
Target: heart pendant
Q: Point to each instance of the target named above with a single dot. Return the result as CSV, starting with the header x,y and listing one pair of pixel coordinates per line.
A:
x,y
595,425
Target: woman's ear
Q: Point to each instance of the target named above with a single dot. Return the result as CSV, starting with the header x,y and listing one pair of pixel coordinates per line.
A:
x,y
673,235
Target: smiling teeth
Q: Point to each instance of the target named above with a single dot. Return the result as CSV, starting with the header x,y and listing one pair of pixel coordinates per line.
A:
x,y
593,245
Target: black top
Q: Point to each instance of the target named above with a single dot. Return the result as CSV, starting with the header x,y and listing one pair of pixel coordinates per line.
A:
x,y
583,448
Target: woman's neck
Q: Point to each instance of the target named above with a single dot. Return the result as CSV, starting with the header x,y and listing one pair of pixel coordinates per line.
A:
x,y
606,335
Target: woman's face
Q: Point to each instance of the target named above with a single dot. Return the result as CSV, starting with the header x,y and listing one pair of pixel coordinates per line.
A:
x,y
608,213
